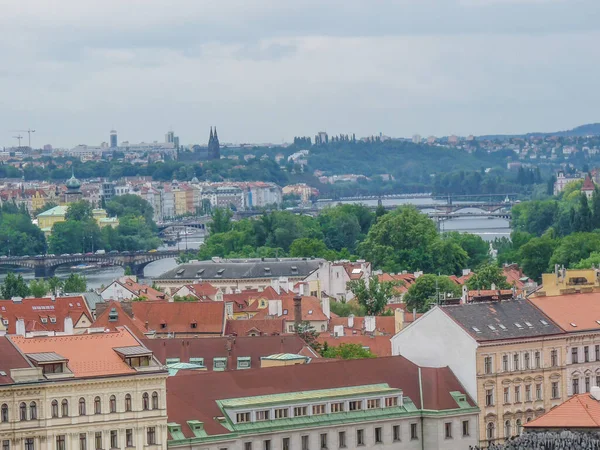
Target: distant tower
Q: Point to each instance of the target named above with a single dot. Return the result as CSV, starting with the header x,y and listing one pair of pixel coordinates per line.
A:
x,y
214,148
170,137
113,139
73,193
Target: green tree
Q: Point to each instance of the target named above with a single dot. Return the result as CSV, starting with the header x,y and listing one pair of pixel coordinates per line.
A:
x,y
221,221
596,209
535,255
185,298
128,271
344,309
13,286
426,289
477,249
306,247
308,334
486,276
373,295
38,288
347,351
448,257
591,261
79,211
573,248
55,285
341,229
130,205
75,283
583,216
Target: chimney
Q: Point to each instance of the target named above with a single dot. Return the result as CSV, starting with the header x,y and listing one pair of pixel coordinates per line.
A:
x,y
325,307
399,320
20,327
338,330
297,311
17,299
465,295
301,289
493,286
595,392
68,325
369,324
351,321
275,285
466,272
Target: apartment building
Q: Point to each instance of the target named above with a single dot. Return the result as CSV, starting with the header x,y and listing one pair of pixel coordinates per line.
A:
x,y
509,355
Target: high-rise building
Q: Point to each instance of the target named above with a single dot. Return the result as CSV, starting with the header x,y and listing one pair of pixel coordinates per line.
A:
x,y
113,139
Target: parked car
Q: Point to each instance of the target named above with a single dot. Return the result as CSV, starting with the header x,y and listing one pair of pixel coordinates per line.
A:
x,y
100,252
64,254
114,252
153,251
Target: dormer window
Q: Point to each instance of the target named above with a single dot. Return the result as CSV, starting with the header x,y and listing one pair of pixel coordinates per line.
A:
x,y
194,325
44,319
135,356
163,325
52,368
5,322
52,319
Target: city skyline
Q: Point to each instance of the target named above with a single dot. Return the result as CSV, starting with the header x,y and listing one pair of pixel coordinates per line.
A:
x,y
268,71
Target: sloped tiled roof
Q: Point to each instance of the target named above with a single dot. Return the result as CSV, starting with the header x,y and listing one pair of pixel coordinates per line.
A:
x,y
123,319
580,411
311,309
588,184
267,327
10,358
383,324
201,290
572,312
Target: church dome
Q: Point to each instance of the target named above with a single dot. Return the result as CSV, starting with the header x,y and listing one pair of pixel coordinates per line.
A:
x,y
73,183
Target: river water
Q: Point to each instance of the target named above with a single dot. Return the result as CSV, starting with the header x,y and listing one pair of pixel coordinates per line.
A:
x,y
488,229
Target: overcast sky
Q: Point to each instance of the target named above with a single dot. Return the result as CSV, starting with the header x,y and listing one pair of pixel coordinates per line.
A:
x,y
266,70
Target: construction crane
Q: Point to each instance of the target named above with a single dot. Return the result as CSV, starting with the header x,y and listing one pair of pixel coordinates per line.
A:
x,y
28,131
19,137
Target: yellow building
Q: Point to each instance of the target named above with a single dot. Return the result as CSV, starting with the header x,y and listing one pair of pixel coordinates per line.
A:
x,y
47,219
569,281
180,202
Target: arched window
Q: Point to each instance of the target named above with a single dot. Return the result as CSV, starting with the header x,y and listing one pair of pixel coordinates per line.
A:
x,y
519,427
529,419
128,402
82,406
507,429
97,406
54,409
113,404
155,400
145,401
23,411
64,406
491,431
32,411
4,412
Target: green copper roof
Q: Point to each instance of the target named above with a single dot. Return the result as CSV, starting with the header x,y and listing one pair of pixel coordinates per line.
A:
x,y
56,211
284,357
320,394
176,367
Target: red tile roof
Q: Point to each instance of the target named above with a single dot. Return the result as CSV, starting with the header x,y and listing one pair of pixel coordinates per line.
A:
x,y
36,311
405,279
588,184
140,290
378,345
186,402
88,354
123,318
201,290
514,274
311,309
581,310
245,327
383,324
11,359
580,411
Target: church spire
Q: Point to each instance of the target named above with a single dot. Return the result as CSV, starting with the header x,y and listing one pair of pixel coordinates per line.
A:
x,y
211,136
216,137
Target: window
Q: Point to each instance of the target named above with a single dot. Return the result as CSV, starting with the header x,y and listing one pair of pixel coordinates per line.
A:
x,y
98,440
489,397
360,437
82,441
242,417
554,358
64,408
82,406
128,402
538,360
587,384
597,380
413,431
299,411
396,433
448,430
318,410
465,428
342,439
262,415
507,429
285,443
538,391
247,445
527,392
519,427
517,394
151,436
129,437
597,351
304,440
516,361
54,408
112,403
487,364
97,405
575,386
267,444
114,439
378,435
506,395
323,440
337,407
373,403
490,430
145,401
574,355
5,444
52,368
586,353
282,413
60,442
155,400
29,444
391,401
354,405
505,363
32,411
555,392
4,413
23,411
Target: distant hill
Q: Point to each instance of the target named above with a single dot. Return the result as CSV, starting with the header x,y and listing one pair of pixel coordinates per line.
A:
x,y
590,129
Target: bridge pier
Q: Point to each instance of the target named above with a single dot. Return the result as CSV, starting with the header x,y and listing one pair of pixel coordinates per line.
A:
x,y
43,271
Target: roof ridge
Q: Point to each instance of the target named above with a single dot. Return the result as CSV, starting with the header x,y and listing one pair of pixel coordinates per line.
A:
x,y
585,407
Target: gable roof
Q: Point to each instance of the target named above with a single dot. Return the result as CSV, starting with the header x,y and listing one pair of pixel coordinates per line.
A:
x,y
200,290
137,289
588,184
11,358
43,314
120,318
243,327
311,309
580,411
383,324
581,310
506,319
186,402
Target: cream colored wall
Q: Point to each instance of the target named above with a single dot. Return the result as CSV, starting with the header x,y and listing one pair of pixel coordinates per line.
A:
x,y
499,412
45,429
172,285
553,285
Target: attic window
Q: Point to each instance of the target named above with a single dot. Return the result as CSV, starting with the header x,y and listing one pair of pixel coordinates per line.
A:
x,y
163,325
285,311
310,311
267,269
44,320
573,325
518,325
195,360
5,321
220,273
529,324
543,322
52,319
502,327
194,325
200,272
477,330
492,327
294,269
